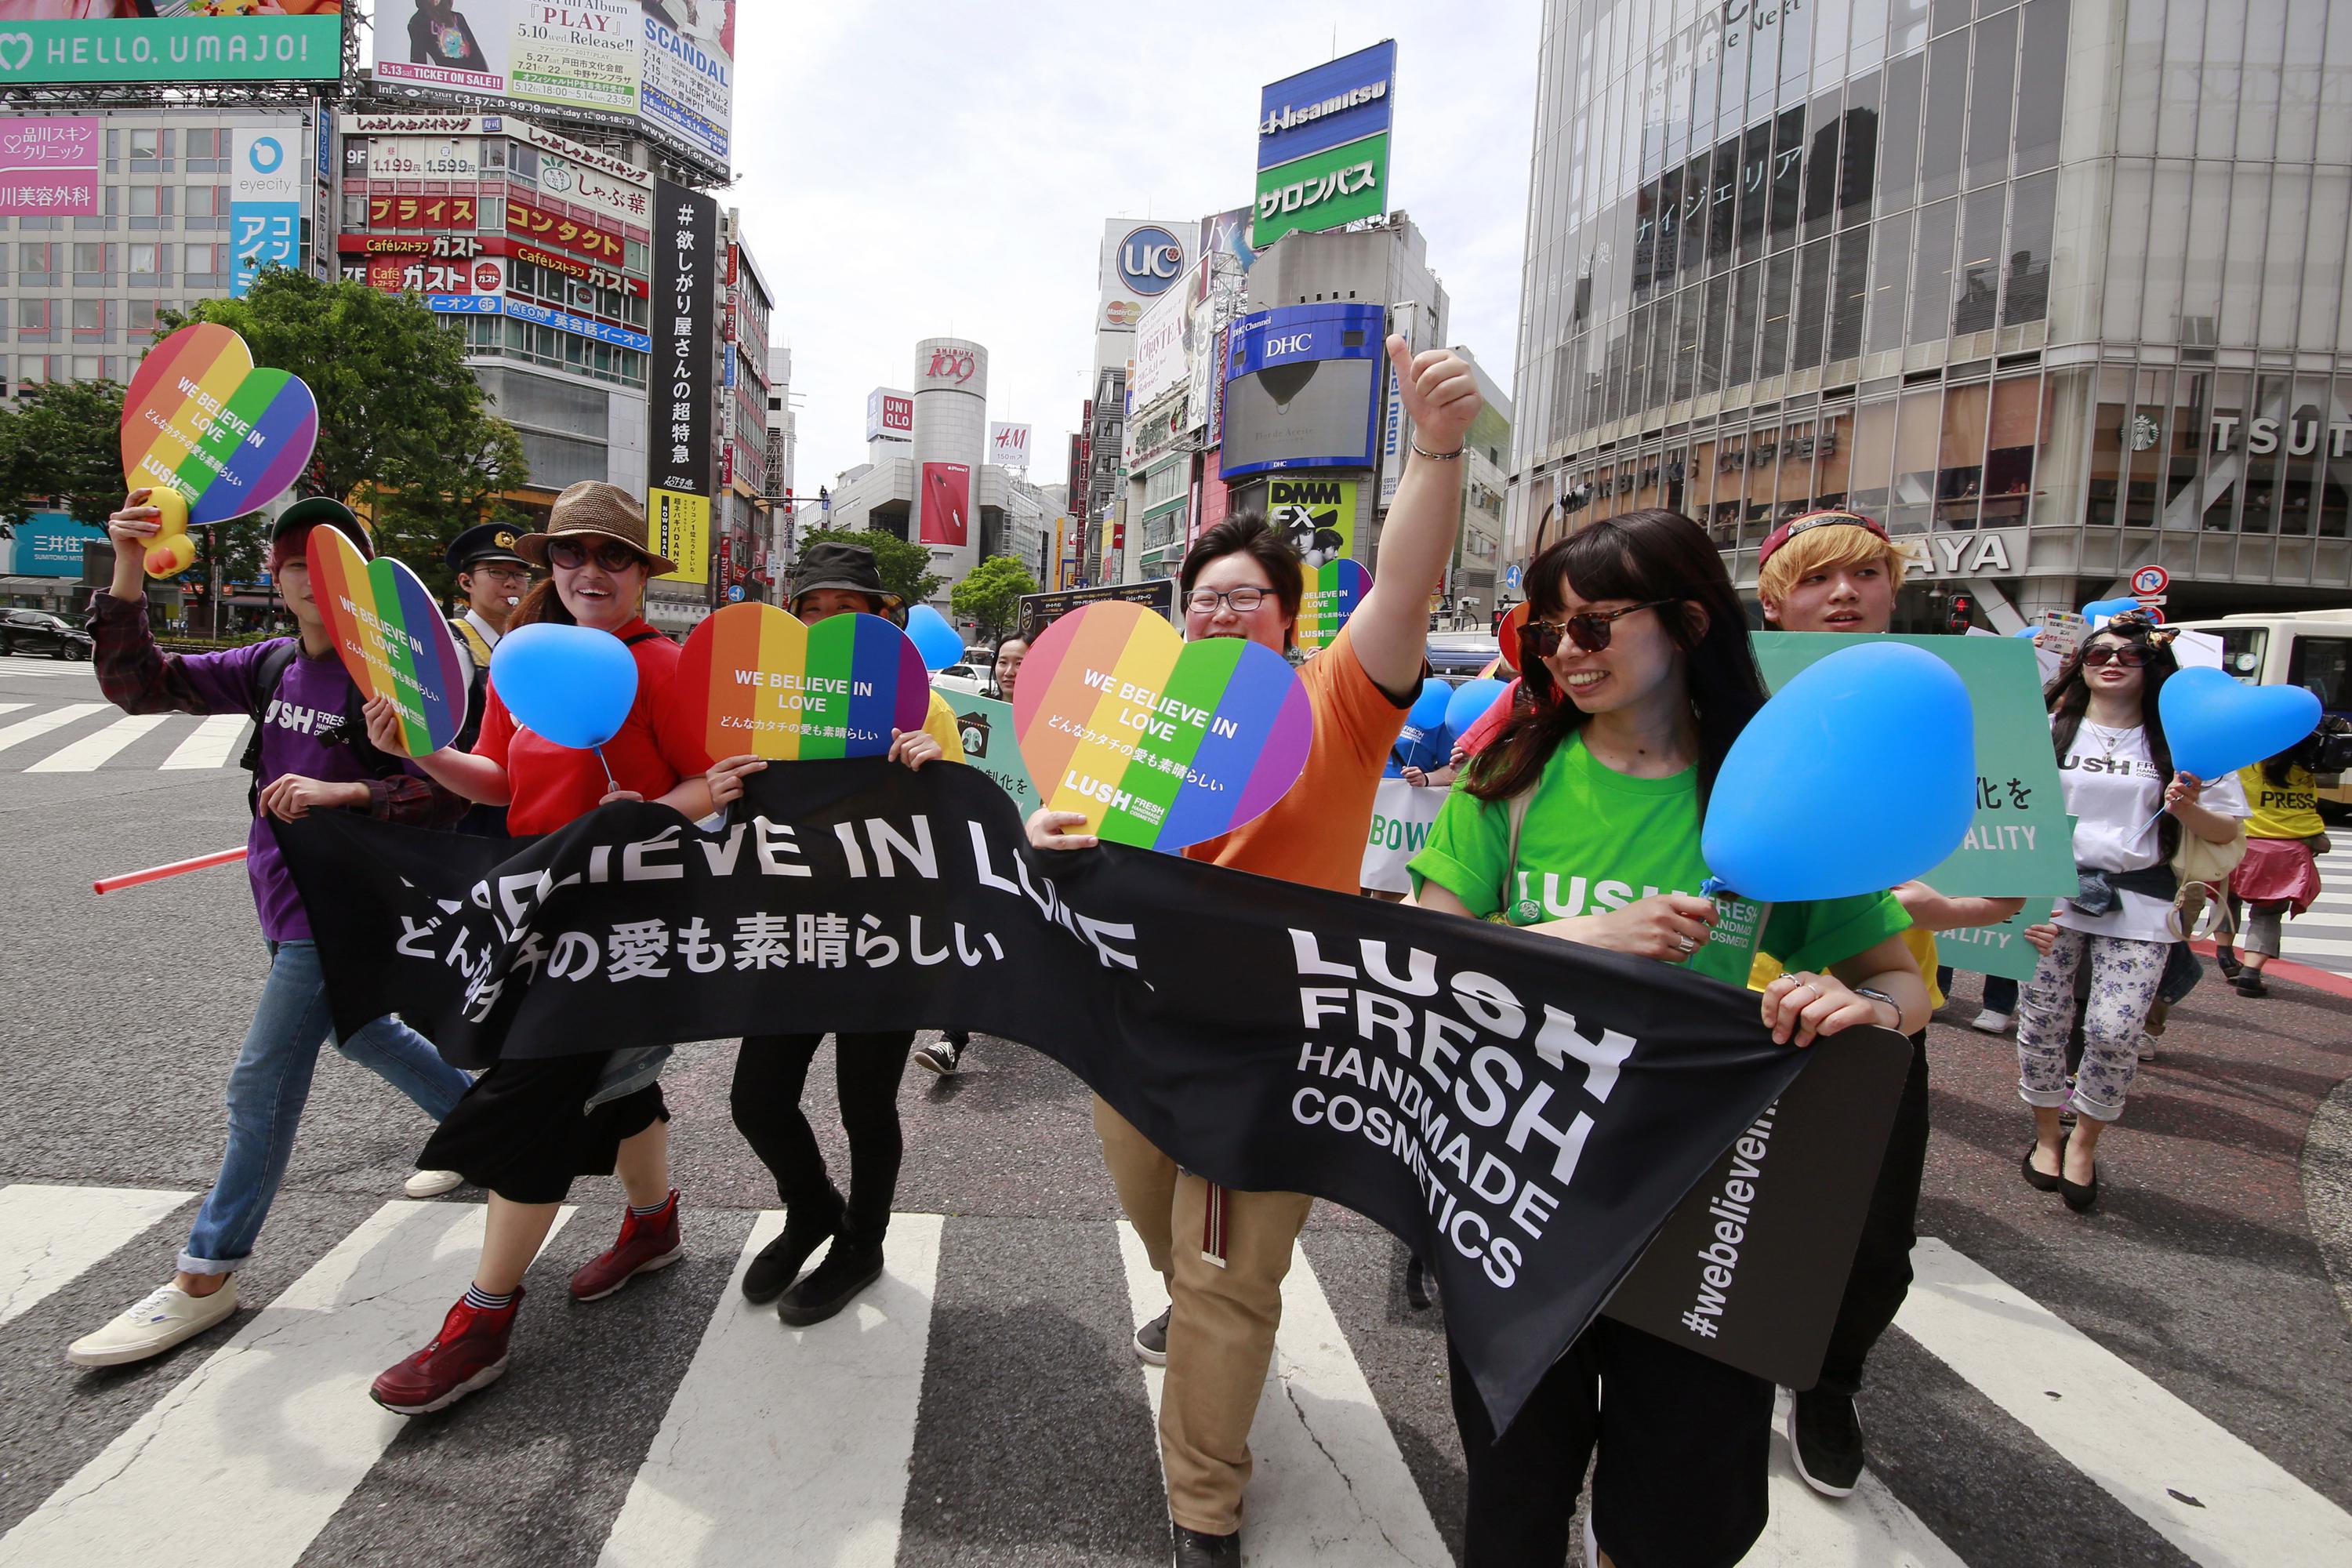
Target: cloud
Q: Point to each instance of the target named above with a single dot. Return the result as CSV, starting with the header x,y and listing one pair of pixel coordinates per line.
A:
x,y
934,169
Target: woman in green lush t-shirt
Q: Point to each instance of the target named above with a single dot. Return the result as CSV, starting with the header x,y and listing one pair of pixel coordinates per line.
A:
x,y
1582,820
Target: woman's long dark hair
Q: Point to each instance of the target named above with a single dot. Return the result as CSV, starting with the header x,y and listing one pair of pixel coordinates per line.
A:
x,y
1640,555
2070,699
540,603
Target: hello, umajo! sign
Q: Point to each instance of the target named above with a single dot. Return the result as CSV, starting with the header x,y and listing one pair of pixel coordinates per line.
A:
x,y
1157,742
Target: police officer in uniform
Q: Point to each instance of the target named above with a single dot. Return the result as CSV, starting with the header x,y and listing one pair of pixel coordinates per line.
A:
x,y
492,578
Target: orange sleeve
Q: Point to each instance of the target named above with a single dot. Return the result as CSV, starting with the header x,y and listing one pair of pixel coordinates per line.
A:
x,y
1364,721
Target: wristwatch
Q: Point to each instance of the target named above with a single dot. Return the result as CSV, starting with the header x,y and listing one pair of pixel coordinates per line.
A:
x,y
1876,996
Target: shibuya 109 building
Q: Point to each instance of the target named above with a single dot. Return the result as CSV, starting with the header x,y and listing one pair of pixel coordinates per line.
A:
x,y
2055,288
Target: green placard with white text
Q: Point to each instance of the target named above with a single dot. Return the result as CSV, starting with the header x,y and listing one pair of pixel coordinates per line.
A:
x,y
990,746
2020,845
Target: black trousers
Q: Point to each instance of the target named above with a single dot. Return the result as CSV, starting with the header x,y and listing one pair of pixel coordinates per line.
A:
x,y
769,1072
1685,1442
1881,1276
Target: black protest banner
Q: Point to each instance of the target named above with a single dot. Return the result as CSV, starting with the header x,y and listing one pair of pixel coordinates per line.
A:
x,y
1522,1112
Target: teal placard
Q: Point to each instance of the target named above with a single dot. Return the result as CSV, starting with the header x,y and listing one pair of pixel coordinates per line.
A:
x,y
186,50
2000,950
990,746
2020,844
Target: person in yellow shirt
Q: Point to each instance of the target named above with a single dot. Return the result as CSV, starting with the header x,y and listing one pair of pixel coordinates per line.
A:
x,y
1838,572
2279,875
834,578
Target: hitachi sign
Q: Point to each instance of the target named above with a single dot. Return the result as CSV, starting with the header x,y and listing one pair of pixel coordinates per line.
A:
x,y
1290,115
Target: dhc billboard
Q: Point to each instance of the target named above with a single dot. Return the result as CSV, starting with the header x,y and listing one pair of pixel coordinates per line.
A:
x,y
1302,385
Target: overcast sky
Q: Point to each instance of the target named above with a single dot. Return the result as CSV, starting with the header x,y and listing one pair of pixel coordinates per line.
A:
x,y
938,168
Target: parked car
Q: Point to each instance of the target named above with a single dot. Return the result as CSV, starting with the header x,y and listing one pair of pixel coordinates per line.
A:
x,y
40,632
960,678
1457,657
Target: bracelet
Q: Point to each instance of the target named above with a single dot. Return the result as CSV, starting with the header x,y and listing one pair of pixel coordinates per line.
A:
x,y
1421,452
1875,995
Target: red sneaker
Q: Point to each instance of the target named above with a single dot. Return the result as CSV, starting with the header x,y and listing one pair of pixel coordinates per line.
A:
x,y
469,1353
646,1243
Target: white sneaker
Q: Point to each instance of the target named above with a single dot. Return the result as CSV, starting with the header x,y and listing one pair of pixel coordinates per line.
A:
x,y
1991,1022
165,1318
432,1183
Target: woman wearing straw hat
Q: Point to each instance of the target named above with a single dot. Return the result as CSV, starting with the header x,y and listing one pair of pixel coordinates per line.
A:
x,y
527,1128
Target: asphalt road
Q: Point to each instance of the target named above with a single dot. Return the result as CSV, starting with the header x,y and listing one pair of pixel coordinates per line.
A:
x,y
2167,1380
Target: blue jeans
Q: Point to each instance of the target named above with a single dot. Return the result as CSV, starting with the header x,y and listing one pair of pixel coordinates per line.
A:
x,y
271,1083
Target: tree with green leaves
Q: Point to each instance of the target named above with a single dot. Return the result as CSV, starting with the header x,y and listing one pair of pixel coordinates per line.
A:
x,y
61,448
405,432
905,568
990,597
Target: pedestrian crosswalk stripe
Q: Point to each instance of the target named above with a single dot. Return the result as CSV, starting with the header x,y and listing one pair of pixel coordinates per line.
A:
x,y
11,707
1871,1526
21,668
2213,1496
42,723
243,1464
716,1485
219,738
51,1234
86,754
1329,1483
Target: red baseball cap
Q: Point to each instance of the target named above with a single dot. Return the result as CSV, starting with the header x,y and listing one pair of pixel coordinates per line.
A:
x,y
1797,525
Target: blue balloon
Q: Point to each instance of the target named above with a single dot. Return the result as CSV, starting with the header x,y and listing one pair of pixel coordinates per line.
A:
x,y
1429,708
2098,610
1470,701
2025,631
940,644
571,685
1786,820
2215,726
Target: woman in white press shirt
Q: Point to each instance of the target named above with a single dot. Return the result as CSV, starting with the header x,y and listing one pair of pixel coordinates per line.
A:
x,y
2130,808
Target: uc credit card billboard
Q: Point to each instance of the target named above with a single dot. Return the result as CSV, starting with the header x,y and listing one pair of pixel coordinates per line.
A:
x,y
1301,385
1323,145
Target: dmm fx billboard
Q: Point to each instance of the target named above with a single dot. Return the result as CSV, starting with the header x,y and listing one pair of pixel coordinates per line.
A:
x,y
265,217
53,41
1318,516
1300,385
1323,145
1142,261
686,260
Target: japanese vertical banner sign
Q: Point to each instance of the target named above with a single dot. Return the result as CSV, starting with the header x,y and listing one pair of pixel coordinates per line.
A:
x,y
1525,1113
754,679
678,391
392,638
1157,742
265,219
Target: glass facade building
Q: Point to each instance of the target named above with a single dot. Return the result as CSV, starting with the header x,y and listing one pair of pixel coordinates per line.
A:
x,y
2053,288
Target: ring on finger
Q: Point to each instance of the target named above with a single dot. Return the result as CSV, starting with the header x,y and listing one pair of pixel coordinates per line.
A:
x,y
1684,941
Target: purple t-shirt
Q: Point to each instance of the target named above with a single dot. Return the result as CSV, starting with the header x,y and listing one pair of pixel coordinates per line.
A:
x,y
308,706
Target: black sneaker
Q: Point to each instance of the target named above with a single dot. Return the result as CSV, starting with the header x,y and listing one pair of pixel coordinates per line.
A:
x,y
779,1262
944,1054
1151,1340
1825,1436
2227,959
832,1284
1195,1550
2250,984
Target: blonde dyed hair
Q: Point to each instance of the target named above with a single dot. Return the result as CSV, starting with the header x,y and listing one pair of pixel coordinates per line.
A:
x,y
1821,548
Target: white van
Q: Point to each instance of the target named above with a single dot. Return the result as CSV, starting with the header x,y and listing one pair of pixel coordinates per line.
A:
x,y
2310,648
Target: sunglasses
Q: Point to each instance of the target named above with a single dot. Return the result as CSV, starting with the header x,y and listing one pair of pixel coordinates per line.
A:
x,y
1590,631
2107,653
613,556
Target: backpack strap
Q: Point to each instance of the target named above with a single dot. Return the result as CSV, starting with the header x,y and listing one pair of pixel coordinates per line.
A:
x,y
641,636
268,675
1520,803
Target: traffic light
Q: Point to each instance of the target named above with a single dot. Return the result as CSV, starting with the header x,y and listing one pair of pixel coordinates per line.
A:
x,y
1957,616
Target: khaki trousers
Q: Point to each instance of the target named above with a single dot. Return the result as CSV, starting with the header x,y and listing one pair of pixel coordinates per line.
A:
x,y
1221,1334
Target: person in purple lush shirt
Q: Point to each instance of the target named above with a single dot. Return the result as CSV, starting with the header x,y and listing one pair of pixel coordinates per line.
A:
x,y
308,762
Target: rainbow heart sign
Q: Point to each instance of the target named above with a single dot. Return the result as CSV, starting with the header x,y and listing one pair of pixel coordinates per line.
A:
x,y
1332,592
392,639
755,681
1155,741
200,419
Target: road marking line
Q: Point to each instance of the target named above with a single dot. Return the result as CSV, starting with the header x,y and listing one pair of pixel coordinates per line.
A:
x,y
243,1463
2150,1449
2317,944
11,707
40,724
716,1486
1329,1483
1871,1526
49,1235
92,750
212,744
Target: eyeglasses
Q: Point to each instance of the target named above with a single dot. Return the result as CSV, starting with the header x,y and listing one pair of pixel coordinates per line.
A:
x,y
612,555
2104,653
1204,600
1590,631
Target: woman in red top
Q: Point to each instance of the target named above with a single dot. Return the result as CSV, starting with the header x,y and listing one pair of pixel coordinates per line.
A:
x,y
527,1128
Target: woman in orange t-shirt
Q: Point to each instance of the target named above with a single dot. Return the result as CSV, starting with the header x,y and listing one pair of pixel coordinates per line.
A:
x,y
527,1128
